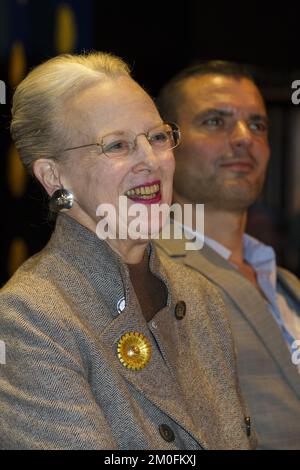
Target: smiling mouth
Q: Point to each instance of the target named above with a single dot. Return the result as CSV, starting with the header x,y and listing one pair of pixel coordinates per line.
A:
x,y
148,192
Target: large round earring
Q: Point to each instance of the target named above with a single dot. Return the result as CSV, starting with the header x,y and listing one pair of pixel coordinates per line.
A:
x,y
61,200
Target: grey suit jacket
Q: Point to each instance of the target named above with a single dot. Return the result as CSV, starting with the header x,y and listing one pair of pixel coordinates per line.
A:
x,y
269,381
63,386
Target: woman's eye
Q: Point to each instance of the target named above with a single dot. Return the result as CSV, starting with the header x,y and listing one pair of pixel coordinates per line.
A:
x,y
159,137
116,147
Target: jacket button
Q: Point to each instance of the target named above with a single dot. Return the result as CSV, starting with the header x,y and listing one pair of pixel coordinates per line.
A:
x,y
166,433
180,310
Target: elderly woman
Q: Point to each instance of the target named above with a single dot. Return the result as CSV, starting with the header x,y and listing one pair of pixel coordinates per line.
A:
x,y
106,346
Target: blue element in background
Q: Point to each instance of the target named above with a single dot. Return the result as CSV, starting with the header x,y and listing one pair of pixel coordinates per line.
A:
x,y
33,23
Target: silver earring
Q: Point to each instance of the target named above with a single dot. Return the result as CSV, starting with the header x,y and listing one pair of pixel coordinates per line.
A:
x,y
61,200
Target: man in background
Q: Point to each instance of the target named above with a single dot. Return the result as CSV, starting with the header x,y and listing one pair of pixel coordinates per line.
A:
x,y
222,163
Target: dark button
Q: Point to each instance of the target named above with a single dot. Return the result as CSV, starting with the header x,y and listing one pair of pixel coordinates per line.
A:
x,y
248,425
180,310
166,433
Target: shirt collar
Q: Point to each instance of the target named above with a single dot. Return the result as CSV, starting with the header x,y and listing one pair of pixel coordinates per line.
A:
x,y
189,231
216,246
260,256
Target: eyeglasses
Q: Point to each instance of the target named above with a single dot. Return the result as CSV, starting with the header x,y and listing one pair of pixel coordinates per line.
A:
x,y
163,137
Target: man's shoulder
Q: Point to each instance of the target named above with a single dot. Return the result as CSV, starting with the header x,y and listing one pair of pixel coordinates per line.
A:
x,y
187,280
173,248
205,260
287,277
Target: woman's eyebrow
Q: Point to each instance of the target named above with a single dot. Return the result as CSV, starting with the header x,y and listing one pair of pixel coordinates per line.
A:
x,y
113,133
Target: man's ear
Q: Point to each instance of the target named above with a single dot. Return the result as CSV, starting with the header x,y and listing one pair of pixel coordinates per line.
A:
x,y
46,172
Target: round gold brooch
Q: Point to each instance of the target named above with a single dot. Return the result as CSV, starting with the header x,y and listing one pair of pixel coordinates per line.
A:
x,y
134,350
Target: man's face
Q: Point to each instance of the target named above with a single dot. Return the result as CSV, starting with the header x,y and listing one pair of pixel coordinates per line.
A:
x,y
224,152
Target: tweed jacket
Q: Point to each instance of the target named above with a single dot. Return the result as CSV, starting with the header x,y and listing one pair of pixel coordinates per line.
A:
x,y
269,381
62,385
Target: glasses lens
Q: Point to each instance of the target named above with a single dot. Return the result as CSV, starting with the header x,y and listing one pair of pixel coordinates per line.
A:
x,y
164,137
115,147
175,133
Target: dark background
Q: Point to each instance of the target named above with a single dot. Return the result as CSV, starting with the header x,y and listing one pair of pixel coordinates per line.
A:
x,y
157,39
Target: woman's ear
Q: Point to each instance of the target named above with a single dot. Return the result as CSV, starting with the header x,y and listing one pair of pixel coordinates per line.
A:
x,y
46,172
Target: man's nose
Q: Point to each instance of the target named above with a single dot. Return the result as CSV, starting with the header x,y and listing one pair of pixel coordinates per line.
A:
x,y
241,135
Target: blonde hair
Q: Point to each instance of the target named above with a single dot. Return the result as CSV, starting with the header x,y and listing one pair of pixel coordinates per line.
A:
x,y
39,125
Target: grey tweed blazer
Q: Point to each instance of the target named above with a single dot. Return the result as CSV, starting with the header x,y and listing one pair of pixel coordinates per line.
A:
x,y
62,385
270,383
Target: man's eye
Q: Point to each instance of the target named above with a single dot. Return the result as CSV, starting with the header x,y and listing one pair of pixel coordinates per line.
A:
x,y
258,126
213,122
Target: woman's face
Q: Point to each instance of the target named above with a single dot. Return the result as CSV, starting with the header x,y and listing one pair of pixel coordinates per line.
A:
x,y
113,109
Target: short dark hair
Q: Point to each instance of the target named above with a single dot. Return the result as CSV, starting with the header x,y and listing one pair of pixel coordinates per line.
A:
x,y
170,94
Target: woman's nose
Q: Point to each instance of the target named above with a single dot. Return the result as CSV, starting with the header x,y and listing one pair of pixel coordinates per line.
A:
x,y
146,158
